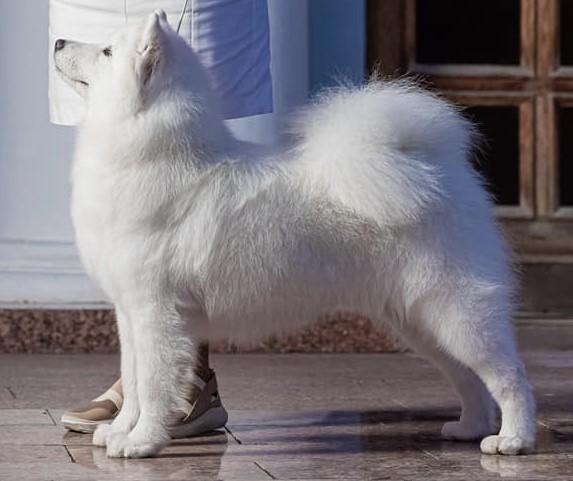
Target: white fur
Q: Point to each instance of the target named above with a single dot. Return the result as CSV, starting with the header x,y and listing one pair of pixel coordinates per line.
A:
x,y
195,235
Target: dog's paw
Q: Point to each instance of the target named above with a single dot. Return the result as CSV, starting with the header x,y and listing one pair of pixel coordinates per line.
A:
x,y
136,444
145,449
510,445
116,442
464,431
100,435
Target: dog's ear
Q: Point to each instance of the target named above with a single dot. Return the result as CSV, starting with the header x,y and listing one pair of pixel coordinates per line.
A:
x,y
151,48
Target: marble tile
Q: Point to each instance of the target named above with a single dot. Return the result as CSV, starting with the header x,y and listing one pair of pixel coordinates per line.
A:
x,y
41,434
358,417
24,417
400,466
59,381
33,454
41,471
410,466
217,443
341,431
536,467
291,418
207,459
286,382
264,418
56,415
70,438
6,395
53,392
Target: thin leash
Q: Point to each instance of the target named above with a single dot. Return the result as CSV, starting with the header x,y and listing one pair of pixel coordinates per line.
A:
x,y
181,16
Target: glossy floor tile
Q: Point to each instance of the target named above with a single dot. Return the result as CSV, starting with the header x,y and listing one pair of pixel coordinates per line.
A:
x,y
292,417
22,417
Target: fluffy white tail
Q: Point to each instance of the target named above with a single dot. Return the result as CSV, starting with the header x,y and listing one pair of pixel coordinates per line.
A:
x,y
379,149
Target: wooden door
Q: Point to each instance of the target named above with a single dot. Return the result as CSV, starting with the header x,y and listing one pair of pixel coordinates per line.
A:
x,y
511,63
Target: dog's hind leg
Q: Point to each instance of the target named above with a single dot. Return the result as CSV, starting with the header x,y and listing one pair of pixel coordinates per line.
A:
x,y
478,408
485,344
129,412
163,352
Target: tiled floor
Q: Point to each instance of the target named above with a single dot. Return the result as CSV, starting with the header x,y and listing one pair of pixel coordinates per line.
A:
x,y
303,417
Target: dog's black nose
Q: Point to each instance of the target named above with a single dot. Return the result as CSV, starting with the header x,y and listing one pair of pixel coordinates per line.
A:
x,y
60,44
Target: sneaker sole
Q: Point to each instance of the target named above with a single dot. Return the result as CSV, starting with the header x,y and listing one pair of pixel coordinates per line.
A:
x,y
214,418
79,425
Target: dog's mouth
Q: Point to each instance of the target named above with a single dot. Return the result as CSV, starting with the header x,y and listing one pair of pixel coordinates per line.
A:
x,y
77,81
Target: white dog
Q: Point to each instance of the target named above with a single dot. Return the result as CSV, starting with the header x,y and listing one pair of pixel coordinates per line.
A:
x,y
195,235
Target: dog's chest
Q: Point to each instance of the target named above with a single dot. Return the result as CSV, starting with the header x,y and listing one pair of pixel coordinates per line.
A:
x,y
104,204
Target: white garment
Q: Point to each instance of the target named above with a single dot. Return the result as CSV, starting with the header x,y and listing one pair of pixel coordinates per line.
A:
x,y
231,38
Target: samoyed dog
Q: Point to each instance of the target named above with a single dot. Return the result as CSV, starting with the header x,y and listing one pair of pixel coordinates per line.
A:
x,y
194,235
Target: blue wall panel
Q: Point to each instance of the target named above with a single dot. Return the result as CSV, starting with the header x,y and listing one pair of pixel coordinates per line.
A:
x,y
337,42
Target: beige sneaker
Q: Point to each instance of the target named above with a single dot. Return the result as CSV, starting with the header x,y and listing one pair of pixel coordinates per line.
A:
x,y
205,410
101,410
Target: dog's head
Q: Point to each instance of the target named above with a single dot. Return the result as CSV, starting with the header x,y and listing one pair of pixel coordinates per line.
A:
x,y
131,70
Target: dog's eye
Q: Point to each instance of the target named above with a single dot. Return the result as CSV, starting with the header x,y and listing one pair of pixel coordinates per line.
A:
x,y
107,51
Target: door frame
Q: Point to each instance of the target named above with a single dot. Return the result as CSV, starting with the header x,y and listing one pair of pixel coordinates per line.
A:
x,y
539,228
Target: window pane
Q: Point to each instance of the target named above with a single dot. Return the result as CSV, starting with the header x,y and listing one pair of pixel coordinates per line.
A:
x,y
471,32
498,159
566,11
566,156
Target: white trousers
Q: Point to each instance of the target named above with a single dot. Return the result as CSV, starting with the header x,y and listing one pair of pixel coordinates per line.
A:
x,y
231,38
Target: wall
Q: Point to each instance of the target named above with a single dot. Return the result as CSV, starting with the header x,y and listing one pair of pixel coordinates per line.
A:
x,y
34,155
37,259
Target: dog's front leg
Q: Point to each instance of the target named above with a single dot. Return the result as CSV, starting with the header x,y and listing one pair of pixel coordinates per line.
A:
x,y
129,412
161,352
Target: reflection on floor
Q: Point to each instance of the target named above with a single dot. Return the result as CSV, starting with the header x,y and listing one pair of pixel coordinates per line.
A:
x,y
303,417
